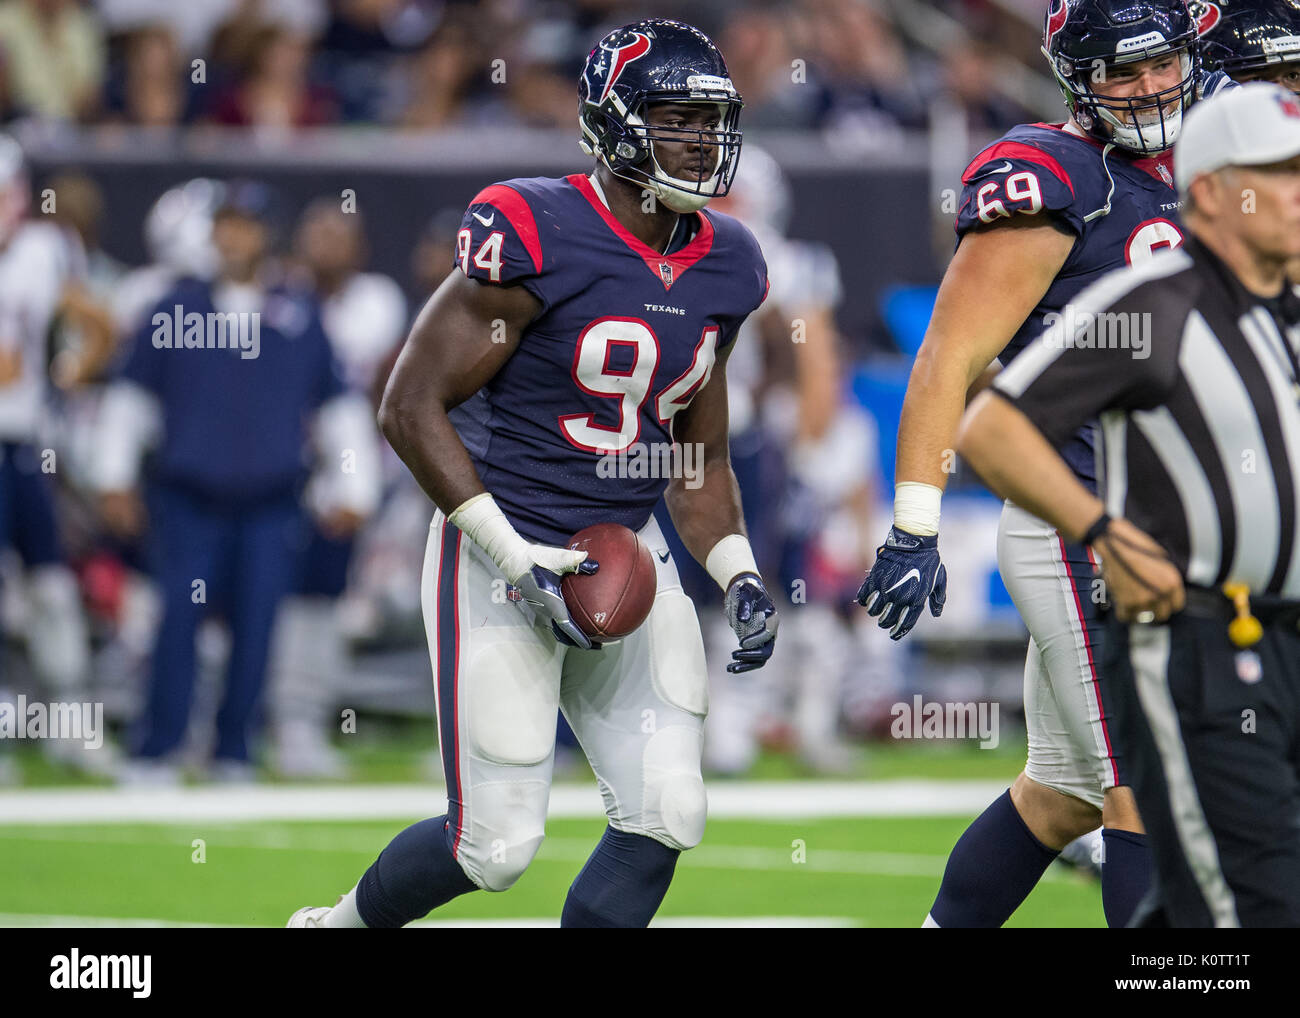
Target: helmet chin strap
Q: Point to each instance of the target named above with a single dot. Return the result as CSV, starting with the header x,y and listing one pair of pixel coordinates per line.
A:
x,y
680,201
1146,138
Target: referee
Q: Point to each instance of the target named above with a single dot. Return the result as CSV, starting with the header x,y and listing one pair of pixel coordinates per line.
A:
x,y
1190,361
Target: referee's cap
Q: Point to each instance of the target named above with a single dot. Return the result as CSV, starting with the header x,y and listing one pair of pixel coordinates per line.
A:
x,y
1254,125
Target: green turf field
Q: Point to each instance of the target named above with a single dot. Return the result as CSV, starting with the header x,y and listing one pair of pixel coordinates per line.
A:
x,y
876,871
870,870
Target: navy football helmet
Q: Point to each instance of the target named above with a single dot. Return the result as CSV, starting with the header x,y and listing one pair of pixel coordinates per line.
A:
x,y
1248,39
659,61
1085,40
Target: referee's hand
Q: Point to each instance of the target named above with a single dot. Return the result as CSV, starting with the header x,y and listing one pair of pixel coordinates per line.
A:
x,y
1142,584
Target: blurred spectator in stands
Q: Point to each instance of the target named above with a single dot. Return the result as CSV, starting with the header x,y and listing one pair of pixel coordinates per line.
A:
x,y
274,90
151,87
761,53
441,77
361,48
365,316
538,96
543,65
1014,28
55,53
969,71
195,23
867,87
11,108
381,26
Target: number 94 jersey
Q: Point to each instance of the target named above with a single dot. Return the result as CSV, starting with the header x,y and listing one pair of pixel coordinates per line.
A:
x,y
576,427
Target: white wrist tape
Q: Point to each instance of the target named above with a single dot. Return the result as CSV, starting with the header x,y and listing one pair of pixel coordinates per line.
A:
x,y
916,508
729,558
482,521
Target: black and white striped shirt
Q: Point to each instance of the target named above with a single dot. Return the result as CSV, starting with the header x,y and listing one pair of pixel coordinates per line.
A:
x,y
1195,382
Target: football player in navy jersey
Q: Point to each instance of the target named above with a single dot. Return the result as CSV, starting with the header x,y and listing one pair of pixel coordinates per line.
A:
x,y
1045,210
589,325
1251,40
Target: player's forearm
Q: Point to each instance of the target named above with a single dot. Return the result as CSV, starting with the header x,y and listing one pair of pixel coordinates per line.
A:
x,y
426,441
1017,462
706,514
927,428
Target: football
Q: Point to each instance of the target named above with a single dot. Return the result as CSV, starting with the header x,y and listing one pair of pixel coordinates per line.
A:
x,y
610,603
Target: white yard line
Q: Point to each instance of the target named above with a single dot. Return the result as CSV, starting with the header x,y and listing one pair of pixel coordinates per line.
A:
x,y
564,851
752,800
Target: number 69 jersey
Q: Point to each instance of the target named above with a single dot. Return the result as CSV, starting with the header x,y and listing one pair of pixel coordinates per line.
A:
x,y
1121,210
576,427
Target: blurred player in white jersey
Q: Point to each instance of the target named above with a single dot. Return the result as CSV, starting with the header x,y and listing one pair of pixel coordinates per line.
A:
x,y
40,264
786,393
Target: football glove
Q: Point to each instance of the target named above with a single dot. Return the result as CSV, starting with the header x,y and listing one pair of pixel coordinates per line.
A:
x,y
753,619
906,573
539,587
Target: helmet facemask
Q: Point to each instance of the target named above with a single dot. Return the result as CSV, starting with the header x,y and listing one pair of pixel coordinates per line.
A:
x,y
719,153
1146,124
628,149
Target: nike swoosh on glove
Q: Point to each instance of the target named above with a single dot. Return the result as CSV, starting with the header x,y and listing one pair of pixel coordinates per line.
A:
x,y
906,573
753,619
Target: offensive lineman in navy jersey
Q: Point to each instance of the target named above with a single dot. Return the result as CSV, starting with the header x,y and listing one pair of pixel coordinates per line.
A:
x,y
590,319
1046,210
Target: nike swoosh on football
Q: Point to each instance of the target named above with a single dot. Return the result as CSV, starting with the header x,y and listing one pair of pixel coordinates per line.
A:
x,y
906,576
488,220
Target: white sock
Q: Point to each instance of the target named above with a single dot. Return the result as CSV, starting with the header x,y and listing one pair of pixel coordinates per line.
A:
x,y
344,915
929,923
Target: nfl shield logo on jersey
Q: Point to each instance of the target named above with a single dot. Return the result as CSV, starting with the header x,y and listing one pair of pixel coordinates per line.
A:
x,y
1249,669
666,273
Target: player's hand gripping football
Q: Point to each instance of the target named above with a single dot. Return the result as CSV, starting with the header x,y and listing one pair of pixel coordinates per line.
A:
x,y
753,618
907,572
539,584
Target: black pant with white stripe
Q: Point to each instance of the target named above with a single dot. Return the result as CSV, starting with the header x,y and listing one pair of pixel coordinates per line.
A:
x,y
1213,737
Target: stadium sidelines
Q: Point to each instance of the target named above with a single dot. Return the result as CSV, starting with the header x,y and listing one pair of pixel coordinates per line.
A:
x,y
749,800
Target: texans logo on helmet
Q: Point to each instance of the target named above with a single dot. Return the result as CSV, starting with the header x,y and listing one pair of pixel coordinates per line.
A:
x,y
622,56
1056,18
1206,15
